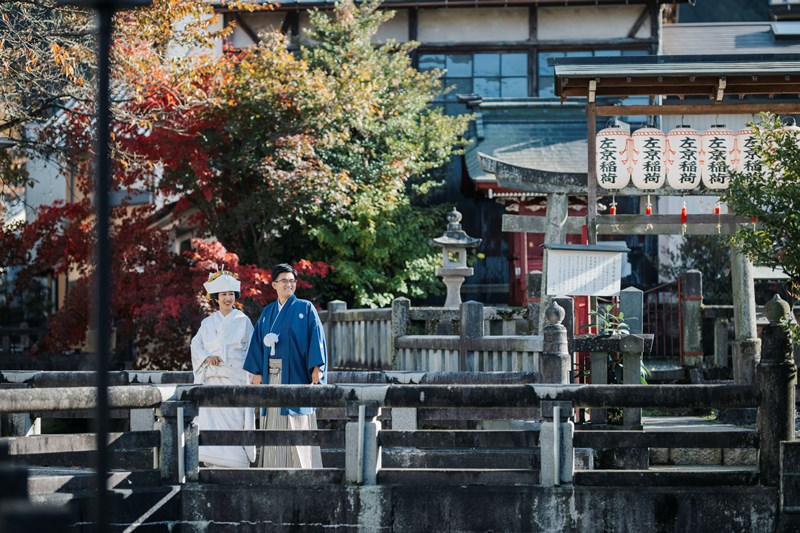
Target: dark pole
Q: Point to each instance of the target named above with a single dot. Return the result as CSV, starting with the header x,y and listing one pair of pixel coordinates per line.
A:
x,y
102,291
102,299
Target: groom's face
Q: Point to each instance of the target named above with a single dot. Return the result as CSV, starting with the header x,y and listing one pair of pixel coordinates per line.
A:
x,y
284,285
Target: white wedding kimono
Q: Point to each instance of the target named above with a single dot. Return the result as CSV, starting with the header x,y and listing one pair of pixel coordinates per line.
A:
x,y
228,338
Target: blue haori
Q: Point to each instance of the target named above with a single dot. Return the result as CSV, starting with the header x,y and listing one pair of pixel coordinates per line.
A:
x,y
301,345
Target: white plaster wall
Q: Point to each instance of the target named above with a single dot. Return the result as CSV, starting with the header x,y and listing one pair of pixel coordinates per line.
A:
x,y
473,25
258,22
589,23
50,185
395,28
183,51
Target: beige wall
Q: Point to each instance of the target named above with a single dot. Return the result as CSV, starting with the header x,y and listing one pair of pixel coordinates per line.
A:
x,y
396,28
473,25
589,23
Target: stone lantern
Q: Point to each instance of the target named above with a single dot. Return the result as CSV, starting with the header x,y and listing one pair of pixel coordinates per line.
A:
x,y
454,243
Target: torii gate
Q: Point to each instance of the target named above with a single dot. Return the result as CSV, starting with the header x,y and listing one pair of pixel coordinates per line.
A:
x,y
682,76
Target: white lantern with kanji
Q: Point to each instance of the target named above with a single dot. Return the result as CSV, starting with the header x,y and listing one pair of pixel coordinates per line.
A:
x,y
792,129
648,146
612,161
746,159
683,158
716,157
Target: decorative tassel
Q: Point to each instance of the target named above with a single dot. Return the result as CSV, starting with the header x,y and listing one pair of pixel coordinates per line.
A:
x,y
612,210
648,210
718,212
683,219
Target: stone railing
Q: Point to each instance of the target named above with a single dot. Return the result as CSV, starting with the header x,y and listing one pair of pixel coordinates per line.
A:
x,y
358,338
382,444
381,339
363,436
473,351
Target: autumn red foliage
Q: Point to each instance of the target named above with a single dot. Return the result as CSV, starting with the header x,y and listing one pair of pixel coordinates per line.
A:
x,y
157,299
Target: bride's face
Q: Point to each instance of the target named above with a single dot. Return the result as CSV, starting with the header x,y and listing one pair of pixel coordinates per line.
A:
x,y
226,301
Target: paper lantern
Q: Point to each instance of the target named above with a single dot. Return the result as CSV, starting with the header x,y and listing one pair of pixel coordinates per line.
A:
x,y
683,158
648,146
746,158
717,148
792,129
612,162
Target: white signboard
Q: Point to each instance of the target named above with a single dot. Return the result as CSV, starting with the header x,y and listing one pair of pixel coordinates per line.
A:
x,y
583,270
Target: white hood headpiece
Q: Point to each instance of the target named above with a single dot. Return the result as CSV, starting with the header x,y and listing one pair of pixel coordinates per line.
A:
x,y
222,281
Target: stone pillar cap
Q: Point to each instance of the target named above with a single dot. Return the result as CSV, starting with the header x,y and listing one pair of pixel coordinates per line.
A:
x,y
776,309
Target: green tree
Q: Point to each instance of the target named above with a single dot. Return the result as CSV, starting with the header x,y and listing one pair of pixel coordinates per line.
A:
x,y
770,194
326,153
386,135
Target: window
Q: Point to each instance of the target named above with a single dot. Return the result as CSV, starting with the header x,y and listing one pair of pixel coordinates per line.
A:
x,y
546,73
490,74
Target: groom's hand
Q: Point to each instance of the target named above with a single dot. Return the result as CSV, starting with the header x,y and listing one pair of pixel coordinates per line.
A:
x,y
316,375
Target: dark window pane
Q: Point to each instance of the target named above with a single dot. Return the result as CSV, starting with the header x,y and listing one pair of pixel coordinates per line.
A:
x,y
514,87
489,87
459,65
635,53
455,109
546,86
544,68
514,64
459,86
487,64
431,61
579,53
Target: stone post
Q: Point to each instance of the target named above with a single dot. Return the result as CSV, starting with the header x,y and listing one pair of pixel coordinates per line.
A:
x,y
179,454
401,309
534,294
568,303
632,350
692,317
362,452
18,424
335,306
777,377
746,348
631,306
471,328
556,360
599,362
555,443
744,300
746,355
721,342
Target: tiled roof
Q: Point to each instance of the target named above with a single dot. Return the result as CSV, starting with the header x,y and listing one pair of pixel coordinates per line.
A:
x,y
545,135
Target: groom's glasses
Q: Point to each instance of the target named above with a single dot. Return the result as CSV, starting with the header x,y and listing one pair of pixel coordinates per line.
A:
x,y
286,281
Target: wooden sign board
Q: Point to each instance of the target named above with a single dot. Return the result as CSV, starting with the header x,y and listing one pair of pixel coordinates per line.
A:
x,y
583,270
